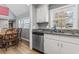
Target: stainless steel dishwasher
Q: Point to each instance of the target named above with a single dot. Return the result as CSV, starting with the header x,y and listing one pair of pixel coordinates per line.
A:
x,y
38,41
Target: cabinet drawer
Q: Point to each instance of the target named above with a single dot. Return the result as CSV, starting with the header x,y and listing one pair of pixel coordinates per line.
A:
x,y
50,36
69,39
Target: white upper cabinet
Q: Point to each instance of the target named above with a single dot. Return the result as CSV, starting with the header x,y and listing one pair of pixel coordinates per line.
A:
x,y
42,13
65,17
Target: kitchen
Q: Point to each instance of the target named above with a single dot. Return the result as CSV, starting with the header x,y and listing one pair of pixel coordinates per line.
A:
x,y
55,28
39,29
46,28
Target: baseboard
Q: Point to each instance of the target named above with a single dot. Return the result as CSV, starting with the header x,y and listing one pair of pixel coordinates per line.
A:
x,y
25,39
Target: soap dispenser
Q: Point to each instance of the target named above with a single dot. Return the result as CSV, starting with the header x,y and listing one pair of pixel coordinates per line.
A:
x,y
54,28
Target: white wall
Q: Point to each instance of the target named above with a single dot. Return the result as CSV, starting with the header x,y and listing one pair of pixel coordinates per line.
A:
x,y
34,26
25,31
4,24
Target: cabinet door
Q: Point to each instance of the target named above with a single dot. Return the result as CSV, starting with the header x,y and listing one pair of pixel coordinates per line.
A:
x,y
46,13
42,13
38,14
69,48
51,46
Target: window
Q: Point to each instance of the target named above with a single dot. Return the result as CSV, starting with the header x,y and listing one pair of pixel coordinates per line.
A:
x,y
64,17
24,23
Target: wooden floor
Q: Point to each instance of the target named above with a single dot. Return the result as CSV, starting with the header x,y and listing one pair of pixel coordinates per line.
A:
x,y
23,48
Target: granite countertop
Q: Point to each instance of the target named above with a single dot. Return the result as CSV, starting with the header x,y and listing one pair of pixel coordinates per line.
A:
x,y
63,34
57,33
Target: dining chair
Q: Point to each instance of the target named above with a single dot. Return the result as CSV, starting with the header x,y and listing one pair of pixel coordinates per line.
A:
x,y
10,39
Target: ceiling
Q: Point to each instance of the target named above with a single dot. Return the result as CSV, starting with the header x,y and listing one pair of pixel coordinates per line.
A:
x,y
17,9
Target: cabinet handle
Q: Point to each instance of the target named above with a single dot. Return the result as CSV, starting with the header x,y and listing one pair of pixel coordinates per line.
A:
x,y
61,45
58,44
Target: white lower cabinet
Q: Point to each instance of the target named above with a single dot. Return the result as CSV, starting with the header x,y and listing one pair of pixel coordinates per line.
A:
x,y
51,46
69,48
59,45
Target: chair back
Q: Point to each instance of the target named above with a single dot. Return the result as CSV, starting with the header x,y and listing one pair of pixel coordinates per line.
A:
x,y
9,34
19,32
1,39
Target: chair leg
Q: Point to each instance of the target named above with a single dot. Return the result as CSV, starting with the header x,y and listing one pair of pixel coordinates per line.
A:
x,y
17,42
21,40
6,46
